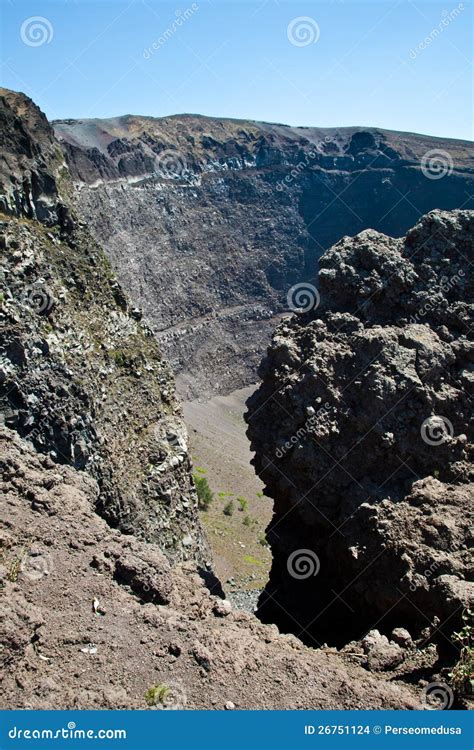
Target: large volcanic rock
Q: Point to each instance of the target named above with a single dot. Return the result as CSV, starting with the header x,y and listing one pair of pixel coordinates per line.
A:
x,y
362,429
209,222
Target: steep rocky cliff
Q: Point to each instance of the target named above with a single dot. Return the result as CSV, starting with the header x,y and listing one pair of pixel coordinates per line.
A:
x,y
362,429
210,222
82,379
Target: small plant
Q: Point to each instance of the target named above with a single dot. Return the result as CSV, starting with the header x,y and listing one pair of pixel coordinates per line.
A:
x,y
243,504
119,358
462,676
200,470
204,492
252,560
263,542
259,494
247,521
229,508
14,566
156,694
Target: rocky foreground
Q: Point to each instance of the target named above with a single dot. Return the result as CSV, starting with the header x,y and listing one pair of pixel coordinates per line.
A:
x,y
93,618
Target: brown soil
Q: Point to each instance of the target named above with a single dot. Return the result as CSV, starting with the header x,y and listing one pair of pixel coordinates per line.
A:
x,y
220,447
93,618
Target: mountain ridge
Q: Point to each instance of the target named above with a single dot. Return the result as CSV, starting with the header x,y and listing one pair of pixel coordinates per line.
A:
x,y
221,218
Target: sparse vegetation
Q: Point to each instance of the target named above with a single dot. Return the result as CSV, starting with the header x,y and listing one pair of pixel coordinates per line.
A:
x,y
14,566
204,492
462,676
156,694
247,521
119,358
200,470
252,560
229,508
243,504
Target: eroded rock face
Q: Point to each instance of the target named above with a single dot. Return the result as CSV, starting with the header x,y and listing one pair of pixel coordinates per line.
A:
x,y
31,162
210,222
82,379
362,429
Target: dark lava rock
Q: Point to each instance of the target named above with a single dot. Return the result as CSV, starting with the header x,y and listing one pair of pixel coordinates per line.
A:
x,y
362,429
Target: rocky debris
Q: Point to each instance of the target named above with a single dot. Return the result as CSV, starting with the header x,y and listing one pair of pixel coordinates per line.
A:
x,y
218,219
362,429
116,659
381,653
81,377
402,637
245,600
147,573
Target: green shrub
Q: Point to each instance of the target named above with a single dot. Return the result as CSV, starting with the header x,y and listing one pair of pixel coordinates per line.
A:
x,y
462,678
204,492
247,521
229,508
242,503
156,694
119,358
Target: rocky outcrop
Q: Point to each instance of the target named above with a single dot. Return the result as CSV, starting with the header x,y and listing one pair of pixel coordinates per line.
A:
x,y
210,222
31,162
93,618
362,429
82,378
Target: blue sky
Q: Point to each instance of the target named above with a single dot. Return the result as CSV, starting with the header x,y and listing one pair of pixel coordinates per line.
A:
x,y
399,64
